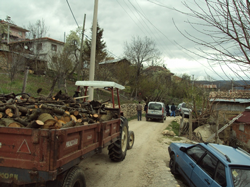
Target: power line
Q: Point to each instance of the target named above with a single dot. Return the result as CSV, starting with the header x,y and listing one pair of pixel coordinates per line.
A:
x,y
72,13
78,26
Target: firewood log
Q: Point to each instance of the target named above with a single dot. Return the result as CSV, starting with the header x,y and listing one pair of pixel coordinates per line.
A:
x,y
22,109
61,122
66,118
75,112
35,124
14,124
73,118
1,115
49,121
35,114
10,101
2,109
9,122
8,110
22,121
69,124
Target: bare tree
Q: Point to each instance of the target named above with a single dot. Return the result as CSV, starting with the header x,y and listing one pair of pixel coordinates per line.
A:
x,y
36,32
221,32
140,51
62,66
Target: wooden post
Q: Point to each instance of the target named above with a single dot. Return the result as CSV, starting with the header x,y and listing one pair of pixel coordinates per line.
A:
x,y
217,127
190,125
181,125
25,79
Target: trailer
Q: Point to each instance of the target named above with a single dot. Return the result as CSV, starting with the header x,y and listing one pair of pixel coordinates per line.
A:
x,y
50,157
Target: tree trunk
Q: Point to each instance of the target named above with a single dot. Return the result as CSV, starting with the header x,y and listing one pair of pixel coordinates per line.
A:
x,y
53,86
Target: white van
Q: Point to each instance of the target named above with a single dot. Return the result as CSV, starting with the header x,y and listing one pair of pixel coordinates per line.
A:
x,y
156,110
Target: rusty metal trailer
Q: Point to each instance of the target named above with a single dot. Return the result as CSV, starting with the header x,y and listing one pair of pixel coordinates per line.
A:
x,y
42,156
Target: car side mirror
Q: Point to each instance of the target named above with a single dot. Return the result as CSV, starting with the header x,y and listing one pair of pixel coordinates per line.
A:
x,y
183,149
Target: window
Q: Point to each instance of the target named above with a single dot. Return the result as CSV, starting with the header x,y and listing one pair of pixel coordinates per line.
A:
x,y
241,127
195,153
155,106
220,176
39,46
241,177
54,59
208,164
20,33
53,47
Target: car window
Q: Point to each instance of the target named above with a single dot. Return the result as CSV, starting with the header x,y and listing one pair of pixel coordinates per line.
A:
x,y
155,106
220,176
195,152
184,105
208,164
241,177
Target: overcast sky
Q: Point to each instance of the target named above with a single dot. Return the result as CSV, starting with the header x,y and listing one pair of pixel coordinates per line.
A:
x,y
121,20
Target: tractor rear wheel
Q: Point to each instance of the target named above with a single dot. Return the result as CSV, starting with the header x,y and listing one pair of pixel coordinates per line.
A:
x,y
118,150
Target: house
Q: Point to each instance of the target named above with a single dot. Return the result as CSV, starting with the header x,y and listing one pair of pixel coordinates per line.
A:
x,y
230,101
241,128
16,33
39,49
114,62
208,87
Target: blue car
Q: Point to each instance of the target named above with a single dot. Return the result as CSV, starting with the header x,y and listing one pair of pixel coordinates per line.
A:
x,y
212,165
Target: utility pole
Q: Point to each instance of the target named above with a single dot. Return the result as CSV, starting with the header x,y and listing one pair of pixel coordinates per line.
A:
x,y
8,37
93,49
80,69
192,82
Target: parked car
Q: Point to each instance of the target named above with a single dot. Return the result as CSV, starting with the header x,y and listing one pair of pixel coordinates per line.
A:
x,y
156,110
212,165
182,108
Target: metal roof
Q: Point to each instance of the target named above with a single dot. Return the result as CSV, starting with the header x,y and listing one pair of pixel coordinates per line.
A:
x,y
99,84
231,100
112,61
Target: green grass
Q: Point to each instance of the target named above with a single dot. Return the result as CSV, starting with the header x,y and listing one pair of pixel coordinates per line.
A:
x,y
38,81
174,126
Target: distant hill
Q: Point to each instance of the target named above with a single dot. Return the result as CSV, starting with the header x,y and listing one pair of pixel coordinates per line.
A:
x,y
221,84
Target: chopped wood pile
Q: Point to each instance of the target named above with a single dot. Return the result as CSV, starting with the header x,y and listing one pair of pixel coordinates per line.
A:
x,y
60,111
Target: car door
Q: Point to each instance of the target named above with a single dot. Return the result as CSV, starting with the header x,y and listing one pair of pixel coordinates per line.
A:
x,y
204,171
188,161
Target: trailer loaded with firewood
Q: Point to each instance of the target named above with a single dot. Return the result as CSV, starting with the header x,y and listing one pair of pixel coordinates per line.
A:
x,y
42,140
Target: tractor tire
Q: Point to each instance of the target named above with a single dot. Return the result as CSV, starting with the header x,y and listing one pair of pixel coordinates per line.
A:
x,y
118,150
75,178
131,139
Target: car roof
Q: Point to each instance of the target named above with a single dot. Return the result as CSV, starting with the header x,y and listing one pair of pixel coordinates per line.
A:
x,y
155,102
236,156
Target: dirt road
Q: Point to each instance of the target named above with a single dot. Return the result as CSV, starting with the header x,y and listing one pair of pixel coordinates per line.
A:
x,y
146,164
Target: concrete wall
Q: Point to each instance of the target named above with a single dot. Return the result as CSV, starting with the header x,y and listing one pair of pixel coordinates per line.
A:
x,y
230,106
46,53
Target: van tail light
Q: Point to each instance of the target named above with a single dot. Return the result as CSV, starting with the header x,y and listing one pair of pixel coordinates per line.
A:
x,y
162,111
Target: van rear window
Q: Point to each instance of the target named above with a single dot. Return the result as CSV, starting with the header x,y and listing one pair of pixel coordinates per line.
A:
x,y
155,106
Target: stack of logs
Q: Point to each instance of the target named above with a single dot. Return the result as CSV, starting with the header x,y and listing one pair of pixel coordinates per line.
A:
x,y
60,111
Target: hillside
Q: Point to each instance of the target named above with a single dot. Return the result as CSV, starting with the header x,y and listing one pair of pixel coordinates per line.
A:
x,y
40,81
226,84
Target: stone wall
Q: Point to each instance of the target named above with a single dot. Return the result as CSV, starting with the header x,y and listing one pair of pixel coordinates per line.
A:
x,y
129,110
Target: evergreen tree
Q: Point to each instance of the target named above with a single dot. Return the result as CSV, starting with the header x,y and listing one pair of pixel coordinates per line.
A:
x,y
101,52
